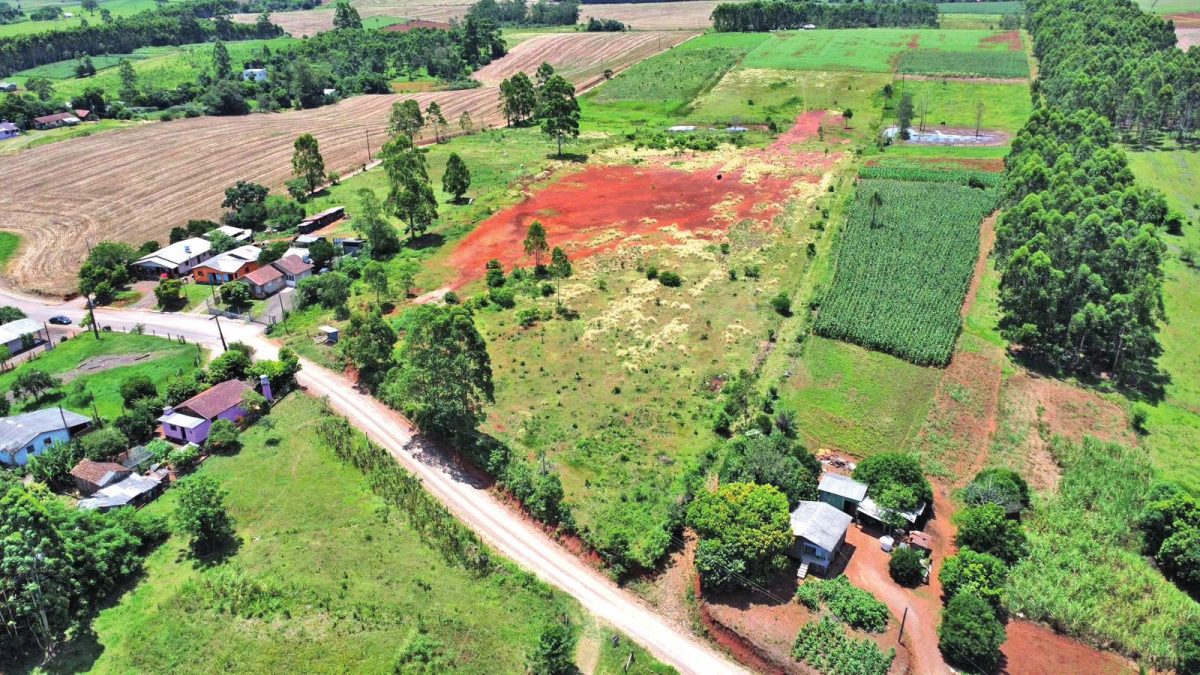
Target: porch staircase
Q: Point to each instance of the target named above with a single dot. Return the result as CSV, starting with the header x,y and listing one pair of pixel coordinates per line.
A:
x,y
803,571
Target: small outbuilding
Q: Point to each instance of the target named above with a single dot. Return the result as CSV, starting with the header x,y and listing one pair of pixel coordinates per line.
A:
x,y
264,281
20,335
819,531
870,511
841,492
134,490
238,234
255,75
322,219
90,476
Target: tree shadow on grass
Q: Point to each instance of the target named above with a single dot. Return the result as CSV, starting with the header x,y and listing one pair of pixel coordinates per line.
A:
x,y
222,551
427,240
1145,382
573,157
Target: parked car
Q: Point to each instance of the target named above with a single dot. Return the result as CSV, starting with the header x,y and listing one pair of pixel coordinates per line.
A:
x,y
60,320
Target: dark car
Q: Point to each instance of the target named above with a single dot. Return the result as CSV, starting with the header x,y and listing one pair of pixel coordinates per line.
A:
x,y
60,320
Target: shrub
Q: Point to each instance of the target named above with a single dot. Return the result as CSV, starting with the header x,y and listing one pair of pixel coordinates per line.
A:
x,y
223,438
503,297
104,444
1138,417
980,573
750,522
1187,650
970,635
825,646
652,272
669,279
894,468
782,304
1003,487
847,602
987,529
907,566
182,459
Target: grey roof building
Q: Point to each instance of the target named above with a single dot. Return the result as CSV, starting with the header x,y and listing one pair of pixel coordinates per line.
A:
x,y
12,334
819,530
28,434
870,509
841,492
133,491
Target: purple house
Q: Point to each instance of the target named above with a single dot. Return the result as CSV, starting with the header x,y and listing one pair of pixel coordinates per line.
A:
x,y
190,421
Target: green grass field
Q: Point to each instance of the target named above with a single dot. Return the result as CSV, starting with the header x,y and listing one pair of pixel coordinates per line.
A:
x,y
904,267
1169,6
1001,7
1005,64
353,584
166,359
954,104
9,243
752,95
117,7
1174,423
865,49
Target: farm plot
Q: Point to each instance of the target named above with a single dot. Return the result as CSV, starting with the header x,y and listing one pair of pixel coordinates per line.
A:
x,y
1005,65
307,22
687,15
867,49
580,57
157,176
905,262
1001,7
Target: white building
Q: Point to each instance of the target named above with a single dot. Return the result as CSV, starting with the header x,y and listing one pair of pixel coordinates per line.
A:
x,y
175,260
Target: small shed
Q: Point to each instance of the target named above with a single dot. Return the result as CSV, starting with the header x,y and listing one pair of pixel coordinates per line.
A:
x,y
91,476
135,490
320,220
8,86
869,510
329,335
819,531
841,492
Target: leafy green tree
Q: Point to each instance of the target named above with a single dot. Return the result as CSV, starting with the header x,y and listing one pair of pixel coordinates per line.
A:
x,y
987,529
559,110
182,388
224,97
222,242
136,388
1179,555
535,242
369,343
53,465
456,180
444,376
36,571
221,63
750,524
107,264
906,566
434,114
782,304
168,292
41,86
254,405
970,635
1187,650
129,81
895,468
518,99
321,253
373,225
406,275
405,119
376,277
32,383
410,195
772,460
235,294
330,290
346,16
560,264
104,444
232,365
980,573
554,653
307,163
1003,487
223,438
201,516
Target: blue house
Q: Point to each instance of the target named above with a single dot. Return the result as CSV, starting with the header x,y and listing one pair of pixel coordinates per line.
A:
x,y
29,434
819,530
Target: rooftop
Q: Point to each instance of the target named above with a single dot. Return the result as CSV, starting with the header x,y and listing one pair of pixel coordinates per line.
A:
x,y
121,493
18,431
13,330
232,261
178,253
99,473
237,233
842,486
263,275
56,117
820,523
870,508
214,400
293,265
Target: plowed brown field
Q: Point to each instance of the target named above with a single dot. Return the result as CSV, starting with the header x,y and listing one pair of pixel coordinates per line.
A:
x,y
136,184
580,57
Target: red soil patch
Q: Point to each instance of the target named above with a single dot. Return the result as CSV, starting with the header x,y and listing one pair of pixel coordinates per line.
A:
x,y
914,41
415,24
987,237
634,201
1012,38
805,128
1033,649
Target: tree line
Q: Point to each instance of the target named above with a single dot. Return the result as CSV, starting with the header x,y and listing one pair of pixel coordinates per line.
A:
x,y
518,13
767,15
1080,245
181,23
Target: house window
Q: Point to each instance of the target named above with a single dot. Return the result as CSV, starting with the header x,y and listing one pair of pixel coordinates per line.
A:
x,y
47,441
809,549
29,449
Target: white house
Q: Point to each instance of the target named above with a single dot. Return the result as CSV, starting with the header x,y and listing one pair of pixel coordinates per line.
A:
x,y
9,130
819,530
13,335
29,434
240,235
175,260
255,74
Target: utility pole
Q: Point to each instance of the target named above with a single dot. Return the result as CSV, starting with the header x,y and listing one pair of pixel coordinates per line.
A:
x,y
368,133
220,332
902,620
92,313
283,315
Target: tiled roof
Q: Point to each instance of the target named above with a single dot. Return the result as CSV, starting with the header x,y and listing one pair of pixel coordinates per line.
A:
x,y
215,400
57,117
263,275
98,473
293,265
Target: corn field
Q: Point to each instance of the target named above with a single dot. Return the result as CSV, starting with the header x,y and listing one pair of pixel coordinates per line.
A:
x,y
903,268
933,175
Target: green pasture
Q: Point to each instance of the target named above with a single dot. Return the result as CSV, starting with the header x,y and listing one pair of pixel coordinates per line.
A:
x,y
1005,65
1169,6
117,7
9,243
1001,7
352,586
165,360
860,49
753,95
954,103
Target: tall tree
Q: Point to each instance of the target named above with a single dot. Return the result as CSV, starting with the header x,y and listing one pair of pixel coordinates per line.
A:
x,y
201,514
559,110
129,82
434,115
410,195
222,65
368,344
904,114
307,163
372,224
346,16
376,277
518,99
406,118
535,242
456,180
445,375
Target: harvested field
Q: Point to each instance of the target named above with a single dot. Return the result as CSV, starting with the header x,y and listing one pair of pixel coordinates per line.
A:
x,y
580,57
153,177
655,15
312,21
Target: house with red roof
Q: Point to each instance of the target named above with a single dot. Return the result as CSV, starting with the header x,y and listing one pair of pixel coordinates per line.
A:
x,y
264,281
190,421
294,269
90,476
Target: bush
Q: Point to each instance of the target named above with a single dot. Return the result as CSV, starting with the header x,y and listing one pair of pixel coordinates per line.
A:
x,y
847,602
670,279
1187,651
750,522
782,304
1003,487
772,460
987,529
907,566
825,646
970,635
136,388
223,438
980,573
104,444
1138,417
894,469
182,459
503,297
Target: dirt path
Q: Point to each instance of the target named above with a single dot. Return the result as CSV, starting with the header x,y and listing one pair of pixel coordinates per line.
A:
x,y
987,239
99,364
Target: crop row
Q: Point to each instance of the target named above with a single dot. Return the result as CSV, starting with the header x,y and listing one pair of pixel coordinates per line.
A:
x,y
905,262
933,175
1006,64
